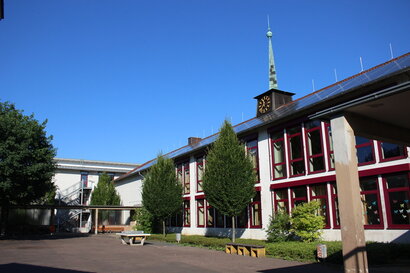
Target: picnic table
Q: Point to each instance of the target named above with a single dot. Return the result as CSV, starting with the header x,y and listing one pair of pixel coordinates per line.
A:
x,y
130,237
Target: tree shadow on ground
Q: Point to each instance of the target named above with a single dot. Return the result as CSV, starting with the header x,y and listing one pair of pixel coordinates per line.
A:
x,y
23,268
56,236
306,268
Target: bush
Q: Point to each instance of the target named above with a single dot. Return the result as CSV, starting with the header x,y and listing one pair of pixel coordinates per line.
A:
x,y
145,221
278,230
305,223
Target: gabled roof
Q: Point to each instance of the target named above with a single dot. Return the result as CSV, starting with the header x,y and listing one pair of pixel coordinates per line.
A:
x,y
323,95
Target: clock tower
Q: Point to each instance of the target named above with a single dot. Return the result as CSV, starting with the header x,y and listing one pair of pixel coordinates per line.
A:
x,y
273,98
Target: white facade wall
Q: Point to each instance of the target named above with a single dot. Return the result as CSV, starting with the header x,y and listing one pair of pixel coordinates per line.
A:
x,y
130,190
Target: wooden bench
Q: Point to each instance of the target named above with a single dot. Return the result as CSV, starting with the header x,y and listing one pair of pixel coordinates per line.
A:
x,y
133,236
110,229
245,250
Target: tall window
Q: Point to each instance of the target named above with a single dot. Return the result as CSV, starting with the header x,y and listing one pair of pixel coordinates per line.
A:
x,y
281,200
200,164
278,155
252,150
335,202
210,215
183,176
390,151
397,191
201,212
298,196
319,193
371,209
296,159
219,219
331,154
256,211
187,213
364,150
314,146
84,179
242,219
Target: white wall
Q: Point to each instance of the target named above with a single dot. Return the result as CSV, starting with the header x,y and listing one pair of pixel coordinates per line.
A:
x,y
130,190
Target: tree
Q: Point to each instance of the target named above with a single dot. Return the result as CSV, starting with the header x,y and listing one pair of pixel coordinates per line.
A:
x,y
105,193
161,192
26,159
305,221
229,177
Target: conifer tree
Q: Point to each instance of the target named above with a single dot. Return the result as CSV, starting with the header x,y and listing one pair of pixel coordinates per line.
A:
x,y
229,177
161,192
105,193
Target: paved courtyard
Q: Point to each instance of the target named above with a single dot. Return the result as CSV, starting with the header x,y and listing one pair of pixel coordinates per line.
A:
x,y
105,253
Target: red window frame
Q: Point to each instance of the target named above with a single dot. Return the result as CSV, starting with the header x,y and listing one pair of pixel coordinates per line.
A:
x,y
254,147
380,149
198,207
325,197
187,213
301,159
313,156
182,168
329,145
295,199
283,163
363,145
388,204
256,202
200,161
378,203
284,200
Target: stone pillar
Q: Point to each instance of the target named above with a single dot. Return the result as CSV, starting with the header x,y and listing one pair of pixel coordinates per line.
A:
x,y
348,189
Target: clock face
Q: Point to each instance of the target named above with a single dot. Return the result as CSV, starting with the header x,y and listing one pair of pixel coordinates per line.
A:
x,y
264,104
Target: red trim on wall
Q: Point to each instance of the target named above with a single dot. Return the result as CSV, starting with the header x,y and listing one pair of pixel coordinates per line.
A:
x,y
186,198
328,178
258,188
202,196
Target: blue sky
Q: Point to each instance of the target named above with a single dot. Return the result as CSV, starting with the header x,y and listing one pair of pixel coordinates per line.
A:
x,y
124,80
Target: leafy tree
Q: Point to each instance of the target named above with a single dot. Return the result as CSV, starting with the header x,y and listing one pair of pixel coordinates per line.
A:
x,y
144,219
161,191
229,177
105,193
279,228
305,221
26,159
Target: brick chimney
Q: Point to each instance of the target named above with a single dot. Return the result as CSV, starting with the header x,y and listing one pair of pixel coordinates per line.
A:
x,y
193,140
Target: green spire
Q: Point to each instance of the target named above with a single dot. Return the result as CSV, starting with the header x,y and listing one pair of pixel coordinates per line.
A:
x,y
273,81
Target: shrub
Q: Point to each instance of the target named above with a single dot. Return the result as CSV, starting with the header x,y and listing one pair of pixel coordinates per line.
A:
x,y
278,230
145,221
305,223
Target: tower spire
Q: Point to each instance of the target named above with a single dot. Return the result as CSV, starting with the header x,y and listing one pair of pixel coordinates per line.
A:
x,y
273,82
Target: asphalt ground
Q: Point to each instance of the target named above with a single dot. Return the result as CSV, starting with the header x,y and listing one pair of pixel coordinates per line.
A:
x,y
105,253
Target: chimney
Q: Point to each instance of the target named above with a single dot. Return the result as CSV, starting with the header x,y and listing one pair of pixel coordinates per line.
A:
x,y
193,140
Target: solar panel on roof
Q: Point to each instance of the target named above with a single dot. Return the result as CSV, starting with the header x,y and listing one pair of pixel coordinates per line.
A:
x,y
288,109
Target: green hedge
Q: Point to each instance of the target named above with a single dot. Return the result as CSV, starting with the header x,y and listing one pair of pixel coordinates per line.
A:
x,y
377,253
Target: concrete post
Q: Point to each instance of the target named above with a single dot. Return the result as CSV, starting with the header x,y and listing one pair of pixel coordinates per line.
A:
x,y
347,180
96,222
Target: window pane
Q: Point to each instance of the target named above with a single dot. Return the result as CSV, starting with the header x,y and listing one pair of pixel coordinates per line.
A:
x,y
298,167
391,150
253,153
365,154
361,140
256,221
201,215
279,171
219,219
242,219
299,192
278,152
315,142
281,194
370,208
368,184
318,190
210,217
295,147
316,164
399,207
312,124
397,181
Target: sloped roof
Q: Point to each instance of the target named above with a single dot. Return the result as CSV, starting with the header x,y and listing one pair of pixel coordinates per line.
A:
x,y
325,94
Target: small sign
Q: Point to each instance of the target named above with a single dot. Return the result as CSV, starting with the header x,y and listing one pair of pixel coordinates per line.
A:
x,y
321,251
178,237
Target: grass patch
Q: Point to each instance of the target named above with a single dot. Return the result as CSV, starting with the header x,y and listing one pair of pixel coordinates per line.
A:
x,y
377,253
